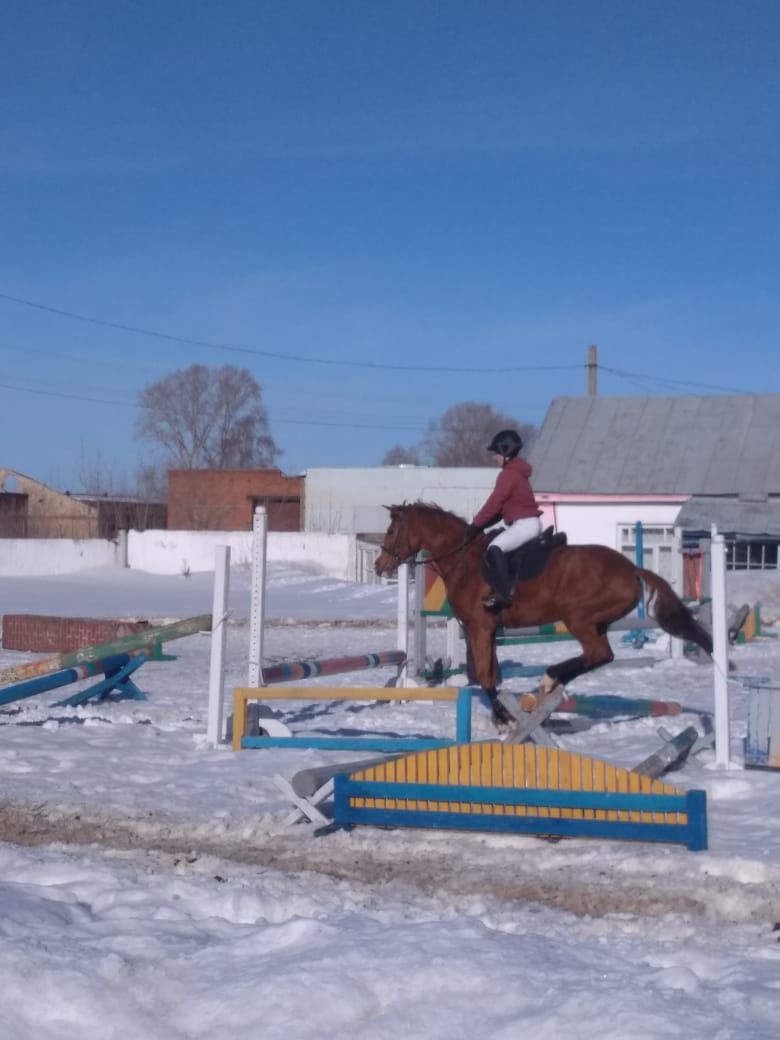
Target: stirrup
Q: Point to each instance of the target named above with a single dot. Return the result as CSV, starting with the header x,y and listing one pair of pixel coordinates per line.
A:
x,y
495,601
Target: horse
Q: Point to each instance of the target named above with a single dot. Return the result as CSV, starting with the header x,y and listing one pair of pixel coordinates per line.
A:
x,y
587,587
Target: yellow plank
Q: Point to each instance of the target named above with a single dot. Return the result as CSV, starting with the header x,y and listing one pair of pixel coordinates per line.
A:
x,y
346,693
565,780
497,778
239,719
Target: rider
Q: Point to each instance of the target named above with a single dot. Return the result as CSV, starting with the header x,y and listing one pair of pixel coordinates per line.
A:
x,y
512,500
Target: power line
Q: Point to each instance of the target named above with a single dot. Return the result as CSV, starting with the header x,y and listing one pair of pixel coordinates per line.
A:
x,y
129,404
663,381
65,396
208,345
639,379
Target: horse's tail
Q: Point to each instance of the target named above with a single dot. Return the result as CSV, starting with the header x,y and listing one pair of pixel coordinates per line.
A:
x,y
664,605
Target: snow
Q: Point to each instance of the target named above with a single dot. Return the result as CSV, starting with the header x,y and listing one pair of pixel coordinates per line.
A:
x,y
150,889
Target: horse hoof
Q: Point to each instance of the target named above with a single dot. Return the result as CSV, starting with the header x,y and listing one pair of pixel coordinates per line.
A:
x,y
502,720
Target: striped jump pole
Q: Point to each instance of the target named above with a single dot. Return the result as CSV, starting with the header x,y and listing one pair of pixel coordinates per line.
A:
x,y
289,671
605,705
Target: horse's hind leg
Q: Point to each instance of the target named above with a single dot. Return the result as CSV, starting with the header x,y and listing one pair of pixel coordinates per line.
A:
x,y
596,652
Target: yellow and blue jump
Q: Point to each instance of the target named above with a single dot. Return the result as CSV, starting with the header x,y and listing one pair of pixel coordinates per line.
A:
x,y
494,786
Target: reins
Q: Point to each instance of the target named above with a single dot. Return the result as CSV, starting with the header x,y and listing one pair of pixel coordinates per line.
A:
x,y
462,546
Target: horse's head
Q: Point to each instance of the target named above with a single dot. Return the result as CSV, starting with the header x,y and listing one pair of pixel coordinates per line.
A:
x,y
417,526
397,545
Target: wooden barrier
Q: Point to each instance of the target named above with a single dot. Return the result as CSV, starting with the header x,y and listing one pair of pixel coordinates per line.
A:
x,y
370,742
520,788
150,637
117,670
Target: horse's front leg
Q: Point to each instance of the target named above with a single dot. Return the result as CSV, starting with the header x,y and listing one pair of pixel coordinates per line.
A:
x,y
481,644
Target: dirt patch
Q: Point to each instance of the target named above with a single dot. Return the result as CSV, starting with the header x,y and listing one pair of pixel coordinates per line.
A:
x,y
526,875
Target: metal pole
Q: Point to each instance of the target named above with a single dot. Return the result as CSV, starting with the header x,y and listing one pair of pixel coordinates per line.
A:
x,y
420,624
639,551
214,733
402,639
678,582
720,651
257,592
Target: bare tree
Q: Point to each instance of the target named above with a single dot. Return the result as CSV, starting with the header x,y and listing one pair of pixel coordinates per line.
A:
x,y
460,436
207,418
97,477
399,455
151,481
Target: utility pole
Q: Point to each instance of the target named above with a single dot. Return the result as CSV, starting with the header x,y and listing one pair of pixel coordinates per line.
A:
x,y
592,367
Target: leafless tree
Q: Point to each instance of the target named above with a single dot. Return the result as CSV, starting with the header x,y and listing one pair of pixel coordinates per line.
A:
x,y
399,455
151,481
207,418
460,436
97,477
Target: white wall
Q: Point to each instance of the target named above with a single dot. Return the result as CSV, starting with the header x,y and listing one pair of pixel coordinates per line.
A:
x,y
352,500
31,556
588,522
180,552
174,552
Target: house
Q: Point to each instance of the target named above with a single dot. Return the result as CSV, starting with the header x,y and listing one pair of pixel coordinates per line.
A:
x,y
603,463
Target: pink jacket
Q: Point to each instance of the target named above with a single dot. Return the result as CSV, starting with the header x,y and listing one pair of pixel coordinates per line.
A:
x,y
512,498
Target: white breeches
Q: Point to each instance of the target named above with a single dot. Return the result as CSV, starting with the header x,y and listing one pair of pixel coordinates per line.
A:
x,y
518,533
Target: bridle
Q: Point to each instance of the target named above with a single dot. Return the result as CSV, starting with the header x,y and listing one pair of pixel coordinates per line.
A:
x,y
392,551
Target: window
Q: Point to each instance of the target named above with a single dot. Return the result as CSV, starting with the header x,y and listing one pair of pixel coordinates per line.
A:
x,y
751,554
657,546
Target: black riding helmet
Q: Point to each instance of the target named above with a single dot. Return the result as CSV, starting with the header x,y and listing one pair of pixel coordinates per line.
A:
x,y
506,443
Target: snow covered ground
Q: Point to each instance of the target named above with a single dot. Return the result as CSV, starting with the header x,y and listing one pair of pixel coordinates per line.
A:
x,y
149,888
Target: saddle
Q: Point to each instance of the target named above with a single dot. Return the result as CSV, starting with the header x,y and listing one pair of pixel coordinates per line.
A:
x,y
530,559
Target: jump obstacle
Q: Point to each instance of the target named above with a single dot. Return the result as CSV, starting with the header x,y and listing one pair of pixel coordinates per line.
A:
x,y
261,687
116,669
492,786
116,660
277,734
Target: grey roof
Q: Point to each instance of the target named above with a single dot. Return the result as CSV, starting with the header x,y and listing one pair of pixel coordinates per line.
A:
x,y
690,445
741,516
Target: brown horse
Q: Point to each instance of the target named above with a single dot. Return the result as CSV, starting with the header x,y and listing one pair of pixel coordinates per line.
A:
x,y
587,587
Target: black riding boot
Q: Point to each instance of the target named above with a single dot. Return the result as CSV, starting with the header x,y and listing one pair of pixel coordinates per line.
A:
x,y
497,574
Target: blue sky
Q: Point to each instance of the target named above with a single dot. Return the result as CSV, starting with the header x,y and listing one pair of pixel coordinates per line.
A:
x,y
471,192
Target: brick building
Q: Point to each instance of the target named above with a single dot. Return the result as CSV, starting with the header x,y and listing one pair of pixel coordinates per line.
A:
x,y
225,499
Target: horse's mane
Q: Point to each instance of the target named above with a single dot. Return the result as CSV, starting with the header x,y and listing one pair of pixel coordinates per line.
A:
x,y
434,512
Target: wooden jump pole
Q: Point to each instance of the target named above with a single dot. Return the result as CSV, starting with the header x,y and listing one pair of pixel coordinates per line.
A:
x,y
150,636
287,671
66,676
